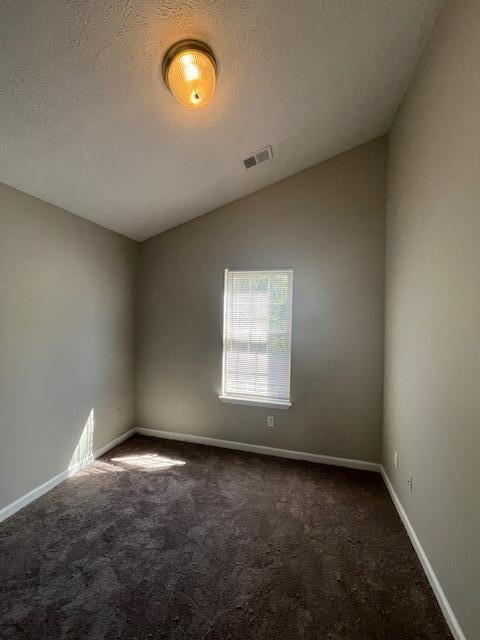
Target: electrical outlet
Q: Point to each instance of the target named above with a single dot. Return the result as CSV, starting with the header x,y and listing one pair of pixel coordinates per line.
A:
x,y
410,483
395,459
270,421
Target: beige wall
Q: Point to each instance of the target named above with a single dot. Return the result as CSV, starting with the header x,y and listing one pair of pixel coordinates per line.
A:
x,y
432,389
327,223
66,339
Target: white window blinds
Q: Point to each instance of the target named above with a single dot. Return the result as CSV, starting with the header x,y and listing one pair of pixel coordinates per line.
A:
x,y
257,335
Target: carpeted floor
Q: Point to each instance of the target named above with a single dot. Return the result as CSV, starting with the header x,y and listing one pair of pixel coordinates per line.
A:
x,y
160,539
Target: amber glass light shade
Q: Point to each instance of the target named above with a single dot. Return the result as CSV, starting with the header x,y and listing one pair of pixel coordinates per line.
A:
x,y
189,71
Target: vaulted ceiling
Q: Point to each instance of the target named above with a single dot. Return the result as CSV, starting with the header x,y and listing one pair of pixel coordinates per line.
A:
x,y
87,124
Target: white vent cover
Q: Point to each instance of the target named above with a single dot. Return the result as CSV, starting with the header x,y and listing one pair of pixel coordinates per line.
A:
x,y
262,155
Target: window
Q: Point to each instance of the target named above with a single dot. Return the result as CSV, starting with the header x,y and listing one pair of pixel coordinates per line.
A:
x,y
257,333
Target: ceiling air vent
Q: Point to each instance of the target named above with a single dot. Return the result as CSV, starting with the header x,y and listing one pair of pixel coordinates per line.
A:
x,y
262,155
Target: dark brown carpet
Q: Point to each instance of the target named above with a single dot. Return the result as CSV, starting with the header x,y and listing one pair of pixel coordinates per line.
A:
x,y
227,545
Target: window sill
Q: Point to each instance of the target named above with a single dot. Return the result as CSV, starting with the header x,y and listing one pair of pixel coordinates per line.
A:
x,y
257,402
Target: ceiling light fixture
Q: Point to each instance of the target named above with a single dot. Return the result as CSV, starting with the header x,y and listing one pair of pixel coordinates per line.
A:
x,y
189,71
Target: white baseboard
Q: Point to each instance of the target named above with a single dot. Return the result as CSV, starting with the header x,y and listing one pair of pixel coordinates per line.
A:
x,y
447,610
32,495
260,448
113,443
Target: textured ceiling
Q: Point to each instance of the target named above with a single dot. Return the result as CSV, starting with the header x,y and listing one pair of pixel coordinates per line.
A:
x,y
86,123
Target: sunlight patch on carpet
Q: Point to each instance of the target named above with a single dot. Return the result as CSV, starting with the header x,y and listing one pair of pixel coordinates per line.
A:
x,y
148,461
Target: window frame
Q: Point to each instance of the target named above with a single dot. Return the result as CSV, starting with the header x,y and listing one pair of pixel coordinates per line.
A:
x,y
248,400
